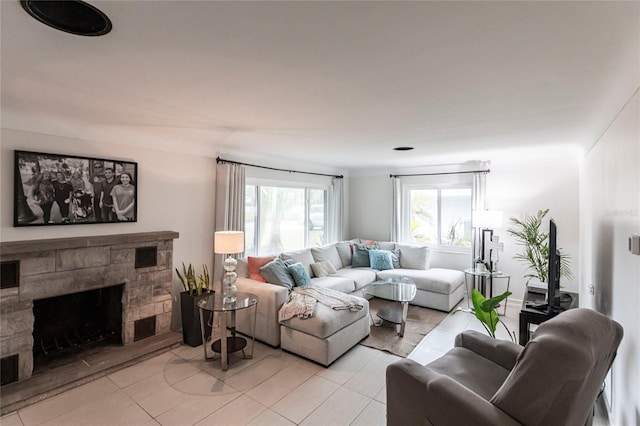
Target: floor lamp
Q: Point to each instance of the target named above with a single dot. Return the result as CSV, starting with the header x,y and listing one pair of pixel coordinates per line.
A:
x,y
228,243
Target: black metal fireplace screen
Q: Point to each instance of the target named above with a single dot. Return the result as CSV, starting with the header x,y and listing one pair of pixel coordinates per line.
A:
x,y
68,325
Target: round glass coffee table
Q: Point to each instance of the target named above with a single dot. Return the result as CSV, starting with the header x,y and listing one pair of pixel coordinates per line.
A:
x,y
401,290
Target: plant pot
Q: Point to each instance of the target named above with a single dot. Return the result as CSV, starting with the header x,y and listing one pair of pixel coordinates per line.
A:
x,y
191,333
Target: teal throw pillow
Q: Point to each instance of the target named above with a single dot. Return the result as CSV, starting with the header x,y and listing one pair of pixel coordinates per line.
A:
x,y
299,274
360,257
380,260
277,272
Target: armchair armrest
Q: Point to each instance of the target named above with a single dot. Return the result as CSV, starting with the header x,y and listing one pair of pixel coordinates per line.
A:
x,y
502,352
271,298
417,395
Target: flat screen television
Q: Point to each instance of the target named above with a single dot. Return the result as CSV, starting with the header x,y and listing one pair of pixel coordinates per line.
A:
x,y
553,275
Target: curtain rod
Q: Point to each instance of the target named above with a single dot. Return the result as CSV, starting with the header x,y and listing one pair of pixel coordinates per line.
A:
x,y
443,173
220,160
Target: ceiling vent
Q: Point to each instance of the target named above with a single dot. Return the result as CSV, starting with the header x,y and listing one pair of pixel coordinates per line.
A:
x,y
75,17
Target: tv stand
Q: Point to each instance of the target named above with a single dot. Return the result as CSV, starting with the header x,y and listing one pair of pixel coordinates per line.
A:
x,y
536,311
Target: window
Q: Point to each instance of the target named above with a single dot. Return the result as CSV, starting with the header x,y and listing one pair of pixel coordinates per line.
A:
x,y
281,218
439,216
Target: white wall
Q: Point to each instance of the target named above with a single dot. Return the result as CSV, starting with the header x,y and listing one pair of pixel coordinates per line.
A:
x,y
514,190
609,214
176,193
527,188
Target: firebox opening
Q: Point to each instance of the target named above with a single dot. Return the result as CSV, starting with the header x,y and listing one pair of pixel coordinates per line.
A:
x,y
65,326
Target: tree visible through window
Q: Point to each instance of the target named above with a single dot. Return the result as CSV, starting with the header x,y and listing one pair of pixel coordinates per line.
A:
x,y
283,218
440,216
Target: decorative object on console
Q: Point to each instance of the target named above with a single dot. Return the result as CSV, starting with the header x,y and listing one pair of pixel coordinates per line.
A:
x,y
482,265
60,189
535,255
486,221
228,243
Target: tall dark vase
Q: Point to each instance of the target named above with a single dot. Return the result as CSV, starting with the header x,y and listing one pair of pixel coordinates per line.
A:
x,y
191,334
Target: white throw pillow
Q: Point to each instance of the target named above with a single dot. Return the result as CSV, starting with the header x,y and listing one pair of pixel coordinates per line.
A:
x,y
344,251
386,245
413,257
327,253
323,268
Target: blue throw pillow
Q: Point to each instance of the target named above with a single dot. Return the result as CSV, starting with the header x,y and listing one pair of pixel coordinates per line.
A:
x,y
360,257
299,274
277,272
380,259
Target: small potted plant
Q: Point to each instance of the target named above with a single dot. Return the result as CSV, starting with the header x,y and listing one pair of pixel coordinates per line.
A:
x,y
483,265
528,233
196,288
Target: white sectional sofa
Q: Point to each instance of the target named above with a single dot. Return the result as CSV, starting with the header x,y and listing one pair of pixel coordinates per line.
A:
x,y
437,288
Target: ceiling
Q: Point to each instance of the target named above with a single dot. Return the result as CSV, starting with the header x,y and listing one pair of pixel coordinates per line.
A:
x,y
335,84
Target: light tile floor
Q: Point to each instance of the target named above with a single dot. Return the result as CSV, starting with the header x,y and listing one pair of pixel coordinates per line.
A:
x,y
274,388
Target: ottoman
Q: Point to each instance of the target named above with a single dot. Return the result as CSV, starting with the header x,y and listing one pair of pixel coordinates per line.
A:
x,y
327,335
438,288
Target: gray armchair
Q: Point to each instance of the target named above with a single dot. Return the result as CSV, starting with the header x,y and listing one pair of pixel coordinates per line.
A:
x,y
553,380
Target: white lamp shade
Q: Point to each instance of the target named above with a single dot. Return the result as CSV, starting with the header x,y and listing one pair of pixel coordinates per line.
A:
x,y
487,219
228,242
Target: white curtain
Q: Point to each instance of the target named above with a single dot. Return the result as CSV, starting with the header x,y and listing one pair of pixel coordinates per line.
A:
x,y
478,191
229,209
336,215
396,214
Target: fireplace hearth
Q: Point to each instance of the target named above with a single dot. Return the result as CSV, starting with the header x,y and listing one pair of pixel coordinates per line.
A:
x,y
76,307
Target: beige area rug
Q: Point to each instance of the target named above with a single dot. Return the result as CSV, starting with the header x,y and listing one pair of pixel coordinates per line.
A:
x,y
420,321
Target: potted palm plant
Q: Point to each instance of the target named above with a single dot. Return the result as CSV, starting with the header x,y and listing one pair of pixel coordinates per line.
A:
x,y
529,234
196,288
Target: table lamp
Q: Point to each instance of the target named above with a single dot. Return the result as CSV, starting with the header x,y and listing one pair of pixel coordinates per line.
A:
x,y
229,242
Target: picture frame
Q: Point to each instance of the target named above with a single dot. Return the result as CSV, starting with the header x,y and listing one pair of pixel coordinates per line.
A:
x,y
60,189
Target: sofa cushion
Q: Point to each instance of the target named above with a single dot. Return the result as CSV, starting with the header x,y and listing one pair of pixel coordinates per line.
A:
x,y
413,256
436,280
345,251
360,257
299,274
322,269
360,276
380,260
255,263
325,321
276,272
303,256
327,253
334,282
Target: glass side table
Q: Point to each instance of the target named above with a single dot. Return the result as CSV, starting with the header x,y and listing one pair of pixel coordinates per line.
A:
x,y
227,342
486,280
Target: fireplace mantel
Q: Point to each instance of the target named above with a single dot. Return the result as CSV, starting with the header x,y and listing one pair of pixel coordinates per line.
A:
x,y
15,247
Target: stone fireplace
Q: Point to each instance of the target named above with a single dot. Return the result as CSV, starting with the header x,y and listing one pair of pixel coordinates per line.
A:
x,y
45,281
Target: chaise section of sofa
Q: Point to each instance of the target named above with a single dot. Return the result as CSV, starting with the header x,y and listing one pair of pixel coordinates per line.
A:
x,y
438,288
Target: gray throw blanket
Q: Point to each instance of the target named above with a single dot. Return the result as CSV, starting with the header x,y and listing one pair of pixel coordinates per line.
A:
x,y
302,301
